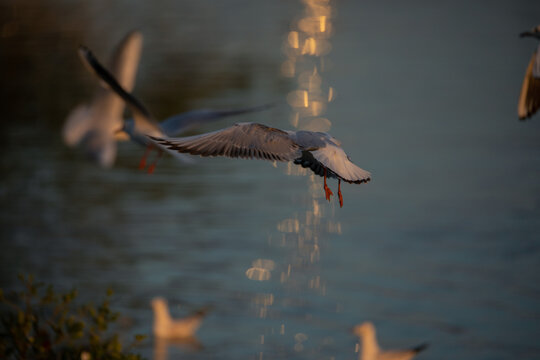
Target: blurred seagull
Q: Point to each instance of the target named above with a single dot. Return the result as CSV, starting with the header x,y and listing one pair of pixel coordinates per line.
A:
x,y
315,150
371,350
143,123
166,327
94,125
529,98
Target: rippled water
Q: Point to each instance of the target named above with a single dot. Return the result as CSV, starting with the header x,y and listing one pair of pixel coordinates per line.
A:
x,y
441,246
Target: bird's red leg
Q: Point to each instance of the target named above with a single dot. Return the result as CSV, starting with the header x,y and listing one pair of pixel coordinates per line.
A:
x,y
327,191
142,164
153,166
339,193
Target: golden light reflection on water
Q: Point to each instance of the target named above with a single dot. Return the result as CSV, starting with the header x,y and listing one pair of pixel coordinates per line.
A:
x,y
260,270
305,47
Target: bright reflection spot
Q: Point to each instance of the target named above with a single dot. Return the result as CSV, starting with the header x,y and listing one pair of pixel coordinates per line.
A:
x,y
298,98
331,95
263,299
258,274
322,22
260,270
317,108
293,39
310,81
295,117
289,226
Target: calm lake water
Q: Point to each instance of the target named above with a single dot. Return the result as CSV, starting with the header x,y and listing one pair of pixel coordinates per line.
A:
x,y
442,246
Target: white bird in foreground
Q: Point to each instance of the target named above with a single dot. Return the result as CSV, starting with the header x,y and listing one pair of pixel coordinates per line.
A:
x,y
95,125
143,123
371,349
529,98
166,327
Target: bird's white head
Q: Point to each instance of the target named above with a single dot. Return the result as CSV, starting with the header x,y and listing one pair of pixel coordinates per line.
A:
x,y
159,303
366,328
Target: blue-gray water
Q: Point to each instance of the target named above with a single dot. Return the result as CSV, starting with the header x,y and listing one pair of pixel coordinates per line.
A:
x,y
443,245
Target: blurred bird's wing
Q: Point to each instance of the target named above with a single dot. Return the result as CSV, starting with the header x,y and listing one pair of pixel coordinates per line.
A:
x,y
145,122
125,60
243,140
175,125
529,98
77,124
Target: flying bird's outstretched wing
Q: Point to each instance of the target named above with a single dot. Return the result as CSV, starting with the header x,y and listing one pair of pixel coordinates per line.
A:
x,y
179,123
243,140
529,98
95,124
146,124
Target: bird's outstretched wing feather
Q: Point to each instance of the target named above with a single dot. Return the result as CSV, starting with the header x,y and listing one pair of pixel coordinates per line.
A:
x,y
135,104
243,140
179,123
125,60
529,98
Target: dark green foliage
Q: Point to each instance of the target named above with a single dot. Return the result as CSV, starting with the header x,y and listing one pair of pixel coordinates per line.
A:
x,y
37,323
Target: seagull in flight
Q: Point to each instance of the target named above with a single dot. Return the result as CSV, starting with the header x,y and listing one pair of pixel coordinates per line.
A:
x,y
529,98
317,151
94,126
372,351
144,124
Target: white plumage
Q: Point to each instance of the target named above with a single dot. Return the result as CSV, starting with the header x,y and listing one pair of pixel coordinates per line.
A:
x,y
372,351
529,97
143,123
165,327
94,125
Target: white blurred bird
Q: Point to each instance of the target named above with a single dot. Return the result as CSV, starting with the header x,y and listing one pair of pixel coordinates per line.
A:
x,y
529,98
95,125
165,327
371,349
144,124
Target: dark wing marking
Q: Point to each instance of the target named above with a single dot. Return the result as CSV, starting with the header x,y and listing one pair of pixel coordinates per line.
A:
x,y
95,66
529,98
245,140
309,161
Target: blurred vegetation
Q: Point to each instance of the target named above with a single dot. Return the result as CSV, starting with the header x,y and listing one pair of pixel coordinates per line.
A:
x,y
38,323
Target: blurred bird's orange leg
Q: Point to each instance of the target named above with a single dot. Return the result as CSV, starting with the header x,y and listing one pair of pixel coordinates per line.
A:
x,y
327,191
153,166
339,193
142,164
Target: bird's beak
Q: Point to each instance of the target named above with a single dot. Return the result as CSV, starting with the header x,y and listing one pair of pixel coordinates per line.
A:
x,y
525,34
